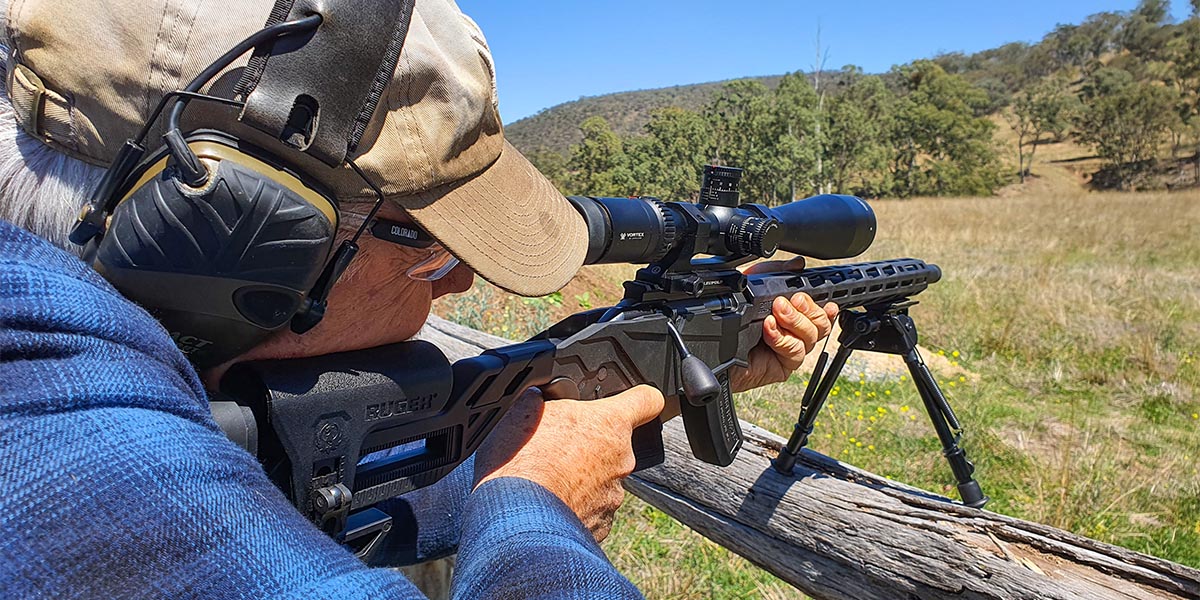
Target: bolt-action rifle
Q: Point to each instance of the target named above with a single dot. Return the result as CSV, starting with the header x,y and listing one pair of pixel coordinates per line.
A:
x,y
343,432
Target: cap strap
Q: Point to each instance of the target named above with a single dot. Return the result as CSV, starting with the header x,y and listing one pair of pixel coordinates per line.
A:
x,y
317,94
43,113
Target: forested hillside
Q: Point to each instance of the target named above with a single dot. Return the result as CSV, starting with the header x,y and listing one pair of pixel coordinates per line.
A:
x,y
1123,85
557,128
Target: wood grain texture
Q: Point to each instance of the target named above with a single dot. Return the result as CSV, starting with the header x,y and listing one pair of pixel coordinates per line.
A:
x,y
837,532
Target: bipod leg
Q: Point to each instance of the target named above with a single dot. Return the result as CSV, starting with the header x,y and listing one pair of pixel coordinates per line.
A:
x,y
948,430
814,399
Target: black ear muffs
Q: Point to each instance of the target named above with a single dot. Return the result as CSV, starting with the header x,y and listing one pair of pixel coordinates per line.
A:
x,y
224,265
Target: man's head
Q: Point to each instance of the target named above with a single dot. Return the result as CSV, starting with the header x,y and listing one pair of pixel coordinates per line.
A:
x,y
85,77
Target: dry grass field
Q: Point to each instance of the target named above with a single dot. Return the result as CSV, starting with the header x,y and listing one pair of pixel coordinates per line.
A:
x,y
1068,327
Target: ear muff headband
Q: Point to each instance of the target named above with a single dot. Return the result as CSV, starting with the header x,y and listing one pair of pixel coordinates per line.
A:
x,y
210,151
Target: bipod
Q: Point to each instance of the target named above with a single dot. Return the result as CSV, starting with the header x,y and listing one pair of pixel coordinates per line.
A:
x,y
889,330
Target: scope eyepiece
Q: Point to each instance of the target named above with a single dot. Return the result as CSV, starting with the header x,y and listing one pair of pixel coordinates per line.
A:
x,y
626,230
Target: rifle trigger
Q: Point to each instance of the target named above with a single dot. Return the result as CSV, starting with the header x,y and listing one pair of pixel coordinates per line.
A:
x,y
559,387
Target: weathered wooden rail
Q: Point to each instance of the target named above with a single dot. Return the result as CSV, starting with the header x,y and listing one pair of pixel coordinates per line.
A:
x,y
837,532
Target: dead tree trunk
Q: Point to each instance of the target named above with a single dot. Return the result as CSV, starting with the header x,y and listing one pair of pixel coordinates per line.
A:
x,y
838,532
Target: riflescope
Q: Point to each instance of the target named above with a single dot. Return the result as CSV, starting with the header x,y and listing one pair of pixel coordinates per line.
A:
x,y
644,230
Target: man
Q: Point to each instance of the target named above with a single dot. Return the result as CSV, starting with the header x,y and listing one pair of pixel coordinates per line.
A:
x,y
116,480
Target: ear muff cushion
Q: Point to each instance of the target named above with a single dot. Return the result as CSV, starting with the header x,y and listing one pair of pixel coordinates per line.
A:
x,y
225,264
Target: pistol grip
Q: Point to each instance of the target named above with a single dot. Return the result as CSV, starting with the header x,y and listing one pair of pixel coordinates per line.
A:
x,y
712,429
646,439
648,445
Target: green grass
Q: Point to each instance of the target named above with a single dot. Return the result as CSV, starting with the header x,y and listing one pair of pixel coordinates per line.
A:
x,y
1076,322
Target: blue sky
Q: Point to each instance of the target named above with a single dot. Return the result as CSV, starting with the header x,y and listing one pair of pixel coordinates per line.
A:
x,y
549,52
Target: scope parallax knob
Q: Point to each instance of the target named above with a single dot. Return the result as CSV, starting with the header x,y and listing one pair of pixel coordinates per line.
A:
x,y
755,236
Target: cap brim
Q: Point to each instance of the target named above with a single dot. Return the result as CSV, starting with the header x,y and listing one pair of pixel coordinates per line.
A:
x,y
508,223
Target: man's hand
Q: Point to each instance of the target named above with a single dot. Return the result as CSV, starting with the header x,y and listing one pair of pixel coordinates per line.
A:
x,y
580,451
790,332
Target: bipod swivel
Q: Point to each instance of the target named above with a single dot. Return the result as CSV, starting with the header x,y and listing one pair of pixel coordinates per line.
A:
x,y
885,329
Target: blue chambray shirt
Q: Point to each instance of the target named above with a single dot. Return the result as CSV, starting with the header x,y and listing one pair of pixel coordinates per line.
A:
x,y
115,482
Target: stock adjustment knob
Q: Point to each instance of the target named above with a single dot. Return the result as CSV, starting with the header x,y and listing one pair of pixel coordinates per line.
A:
x,y
757,236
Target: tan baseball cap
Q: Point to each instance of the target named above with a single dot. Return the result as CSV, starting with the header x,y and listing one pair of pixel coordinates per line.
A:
x,y
85,75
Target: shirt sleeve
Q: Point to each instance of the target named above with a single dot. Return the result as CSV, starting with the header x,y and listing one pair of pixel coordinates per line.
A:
x,y
117,482
520,541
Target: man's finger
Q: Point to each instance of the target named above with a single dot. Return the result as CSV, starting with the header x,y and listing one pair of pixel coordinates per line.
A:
x,y
636,405
795,322
789,349
816,314
832,310
776,266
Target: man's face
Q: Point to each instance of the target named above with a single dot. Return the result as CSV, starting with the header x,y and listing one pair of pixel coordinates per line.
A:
x,y
374,303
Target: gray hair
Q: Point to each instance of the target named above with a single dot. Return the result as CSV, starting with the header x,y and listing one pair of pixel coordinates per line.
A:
x,y
41,189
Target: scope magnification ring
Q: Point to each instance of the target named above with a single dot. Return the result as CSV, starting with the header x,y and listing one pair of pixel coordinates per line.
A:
x,y
668,228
